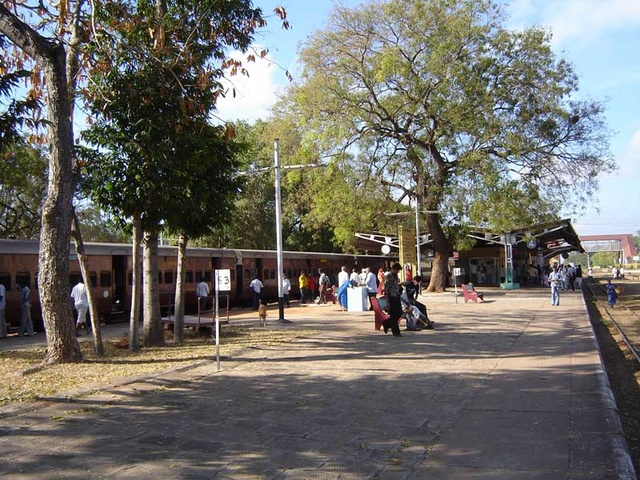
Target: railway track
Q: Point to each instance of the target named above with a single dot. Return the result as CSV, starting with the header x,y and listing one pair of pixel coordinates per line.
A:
x,y
625,315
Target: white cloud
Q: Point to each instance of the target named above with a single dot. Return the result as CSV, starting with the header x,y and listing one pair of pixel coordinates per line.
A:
x,y
253,95
581,21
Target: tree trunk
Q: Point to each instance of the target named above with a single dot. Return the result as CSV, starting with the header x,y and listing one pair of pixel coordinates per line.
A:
x,y
93,311
55,234
442,250
136,288
178,326
53,262
153,334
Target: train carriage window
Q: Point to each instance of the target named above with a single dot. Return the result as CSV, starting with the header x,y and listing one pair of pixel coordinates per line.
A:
x,y
233,275
23,278
198,275
5,279
105,278
168,276
189,277
272,274
74,278
130,275
207,276
93,277
159,277
247,273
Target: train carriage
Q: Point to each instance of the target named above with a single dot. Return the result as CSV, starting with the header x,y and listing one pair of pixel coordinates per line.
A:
x,y
110,272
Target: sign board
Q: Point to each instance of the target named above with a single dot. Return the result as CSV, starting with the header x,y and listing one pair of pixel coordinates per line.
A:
x,y
457,272
224,280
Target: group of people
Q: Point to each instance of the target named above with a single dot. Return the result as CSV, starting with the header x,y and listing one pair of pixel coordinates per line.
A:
x,y
402,298
567,277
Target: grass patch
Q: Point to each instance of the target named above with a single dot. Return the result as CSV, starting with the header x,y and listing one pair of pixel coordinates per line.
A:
x,y
25,378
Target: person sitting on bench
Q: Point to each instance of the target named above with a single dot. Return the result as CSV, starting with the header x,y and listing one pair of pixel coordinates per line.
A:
x,y
411,291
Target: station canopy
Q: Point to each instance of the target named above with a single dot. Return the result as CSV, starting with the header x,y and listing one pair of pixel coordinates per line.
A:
x,y
551,239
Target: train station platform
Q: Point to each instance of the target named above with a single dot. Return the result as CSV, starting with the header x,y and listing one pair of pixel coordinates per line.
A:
x,y
511,388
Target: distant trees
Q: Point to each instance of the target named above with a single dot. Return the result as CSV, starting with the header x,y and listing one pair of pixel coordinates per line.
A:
x,y
437,101
23,182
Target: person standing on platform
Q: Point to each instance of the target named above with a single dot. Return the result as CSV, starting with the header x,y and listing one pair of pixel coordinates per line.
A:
x,y
81,304
579,277
343,276
303,285
3,303
554,283
354,277
256,287
323,284
202,292
392,291
371,284
312,287
26,325
380,281
286,290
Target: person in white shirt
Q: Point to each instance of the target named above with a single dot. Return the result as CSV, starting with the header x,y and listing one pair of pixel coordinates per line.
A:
x,y
286,290
202,292
81,304
354,277
256,286
554,282
343,276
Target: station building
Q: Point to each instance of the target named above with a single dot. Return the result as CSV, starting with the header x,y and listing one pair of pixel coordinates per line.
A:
x,y
497,259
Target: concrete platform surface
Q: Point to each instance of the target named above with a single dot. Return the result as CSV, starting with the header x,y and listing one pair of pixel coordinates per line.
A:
x,y
511,388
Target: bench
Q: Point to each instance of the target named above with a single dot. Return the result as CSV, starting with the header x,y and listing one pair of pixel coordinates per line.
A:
x,y
380,315
470,293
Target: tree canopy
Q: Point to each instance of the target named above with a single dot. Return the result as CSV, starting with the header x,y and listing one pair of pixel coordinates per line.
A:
x,y
439,101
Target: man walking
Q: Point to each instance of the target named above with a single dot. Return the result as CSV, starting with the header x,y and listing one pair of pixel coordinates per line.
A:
x,y
81,304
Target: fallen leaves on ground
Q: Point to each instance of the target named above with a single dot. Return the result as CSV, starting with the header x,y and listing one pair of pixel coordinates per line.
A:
x,y
25,378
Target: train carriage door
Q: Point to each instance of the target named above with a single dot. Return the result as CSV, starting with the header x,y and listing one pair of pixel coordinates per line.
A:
x,y
119,292
239,279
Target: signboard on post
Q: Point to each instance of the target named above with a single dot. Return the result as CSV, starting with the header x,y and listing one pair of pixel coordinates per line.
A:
x,y
224,280
223,284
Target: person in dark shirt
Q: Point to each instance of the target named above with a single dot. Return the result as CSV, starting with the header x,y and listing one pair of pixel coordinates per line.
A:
x,y
412,290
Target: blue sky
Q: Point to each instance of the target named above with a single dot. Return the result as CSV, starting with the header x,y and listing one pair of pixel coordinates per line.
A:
x,y
600,38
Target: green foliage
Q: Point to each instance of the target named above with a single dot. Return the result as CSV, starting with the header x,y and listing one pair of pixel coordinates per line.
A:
x,y
16,113
605,259
443,103
99,227
23,183
155,85
439,103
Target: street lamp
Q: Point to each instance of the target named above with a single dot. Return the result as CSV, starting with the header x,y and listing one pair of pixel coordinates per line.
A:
x,y
277,167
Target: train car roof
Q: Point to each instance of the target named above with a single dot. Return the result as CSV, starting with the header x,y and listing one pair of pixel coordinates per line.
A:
x,y
12,246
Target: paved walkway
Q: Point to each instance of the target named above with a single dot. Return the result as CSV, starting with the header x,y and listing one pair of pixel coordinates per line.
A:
x,y
511,388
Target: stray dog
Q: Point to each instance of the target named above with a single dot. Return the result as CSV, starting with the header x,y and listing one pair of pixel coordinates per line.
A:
x,y
262,313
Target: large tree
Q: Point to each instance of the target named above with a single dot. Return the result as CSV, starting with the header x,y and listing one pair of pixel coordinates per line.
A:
x,y
51,41
442,103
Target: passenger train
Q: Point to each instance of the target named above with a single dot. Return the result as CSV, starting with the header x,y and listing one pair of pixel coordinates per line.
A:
x,y
110,274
